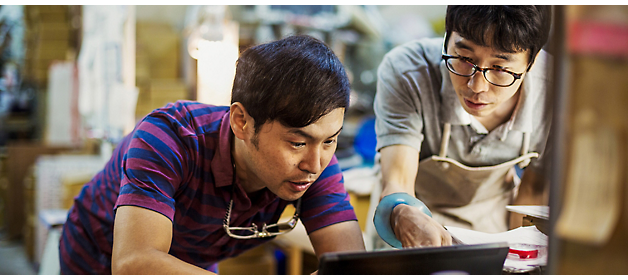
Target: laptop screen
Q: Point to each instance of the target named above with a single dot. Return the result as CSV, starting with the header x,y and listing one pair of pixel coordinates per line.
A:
x,y
483,259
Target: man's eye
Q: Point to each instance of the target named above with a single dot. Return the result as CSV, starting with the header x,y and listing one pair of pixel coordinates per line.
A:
x,y
297,144
329,142
467,59
499,68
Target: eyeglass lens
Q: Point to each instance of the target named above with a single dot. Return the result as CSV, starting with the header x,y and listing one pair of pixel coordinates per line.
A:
x,y
280,227
266,231
465,68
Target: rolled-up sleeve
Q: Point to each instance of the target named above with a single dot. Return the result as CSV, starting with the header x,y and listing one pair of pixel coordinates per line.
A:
x,y
396,106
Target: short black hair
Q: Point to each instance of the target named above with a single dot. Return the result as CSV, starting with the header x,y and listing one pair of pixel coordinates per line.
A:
x,y
505,28
295,80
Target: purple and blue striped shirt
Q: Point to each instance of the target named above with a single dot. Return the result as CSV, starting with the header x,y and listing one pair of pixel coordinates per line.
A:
x,y
177,162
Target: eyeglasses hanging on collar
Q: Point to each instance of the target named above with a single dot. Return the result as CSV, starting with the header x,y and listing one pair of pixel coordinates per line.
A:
x,y
253,231
267,230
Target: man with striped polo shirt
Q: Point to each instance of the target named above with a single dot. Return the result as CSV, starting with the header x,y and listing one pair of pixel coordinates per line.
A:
x,y
195,184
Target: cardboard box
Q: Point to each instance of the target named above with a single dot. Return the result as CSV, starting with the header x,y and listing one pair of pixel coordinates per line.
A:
x,y
48,172
45,9
161,45
72,184
48,50
156,93
158,71
44,31
360,205
4,186
54,17
142,66
141,111
28,229
257,261
29,237
47,38
161,98
20,157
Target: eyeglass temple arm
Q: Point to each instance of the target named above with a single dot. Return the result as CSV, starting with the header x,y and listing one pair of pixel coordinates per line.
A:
x,y
445,37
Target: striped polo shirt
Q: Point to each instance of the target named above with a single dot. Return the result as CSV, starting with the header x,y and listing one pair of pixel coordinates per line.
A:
x,y
177,162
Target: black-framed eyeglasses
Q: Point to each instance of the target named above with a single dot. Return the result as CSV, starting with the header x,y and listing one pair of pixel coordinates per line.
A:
x,y
496,76
267,230
461,66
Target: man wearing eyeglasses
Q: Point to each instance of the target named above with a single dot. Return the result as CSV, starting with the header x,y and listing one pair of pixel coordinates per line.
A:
x,y
195,184
453,119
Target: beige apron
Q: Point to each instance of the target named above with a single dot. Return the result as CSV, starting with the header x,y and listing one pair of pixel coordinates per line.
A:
x,y
469,197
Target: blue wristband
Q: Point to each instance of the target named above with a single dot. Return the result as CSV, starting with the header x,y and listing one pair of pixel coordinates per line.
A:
x,y
381,219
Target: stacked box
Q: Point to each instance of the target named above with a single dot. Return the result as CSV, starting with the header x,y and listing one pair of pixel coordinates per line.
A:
x,y
47,38
71,186
28,231
19,158
157,63
159,43
360,205
163,91
4,186
155,93
257,261
47,190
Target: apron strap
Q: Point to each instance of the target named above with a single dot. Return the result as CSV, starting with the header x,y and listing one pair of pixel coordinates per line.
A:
x,y
524,150
445,140
444,144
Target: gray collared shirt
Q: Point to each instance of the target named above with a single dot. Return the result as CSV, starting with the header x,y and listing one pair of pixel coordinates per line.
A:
x,y
415,97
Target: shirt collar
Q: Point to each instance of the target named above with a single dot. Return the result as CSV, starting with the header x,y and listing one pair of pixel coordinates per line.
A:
x,y
534,84
222,163
222,169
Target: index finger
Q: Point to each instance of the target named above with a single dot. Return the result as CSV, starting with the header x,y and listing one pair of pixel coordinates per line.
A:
x,y
447,239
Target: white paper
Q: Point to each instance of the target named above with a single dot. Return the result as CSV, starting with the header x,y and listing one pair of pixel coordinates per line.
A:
x,y
122,103
537,211
61,123
53,217
100,66
526,235
360,180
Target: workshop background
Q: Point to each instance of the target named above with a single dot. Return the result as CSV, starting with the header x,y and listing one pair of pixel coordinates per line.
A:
x,y
75,79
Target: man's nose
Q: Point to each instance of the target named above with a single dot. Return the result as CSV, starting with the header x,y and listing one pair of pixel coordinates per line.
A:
x,y
477,82
311,163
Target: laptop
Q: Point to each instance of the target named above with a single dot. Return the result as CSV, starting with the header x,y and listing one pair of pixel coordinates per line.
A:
x,y
482,259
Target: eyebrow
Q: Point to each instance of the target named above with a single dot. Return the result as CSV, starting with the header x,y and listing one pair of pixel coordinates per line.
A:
x,y
308,136
503,56
461,45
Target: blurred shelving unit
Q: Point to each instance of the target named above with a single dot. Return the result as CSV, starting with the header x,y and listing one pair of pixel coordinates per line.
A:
x,y
589,194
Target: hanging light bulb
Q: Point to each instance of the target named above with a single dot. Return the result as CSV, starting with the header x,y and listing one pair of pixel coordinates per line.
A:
x,y
214,43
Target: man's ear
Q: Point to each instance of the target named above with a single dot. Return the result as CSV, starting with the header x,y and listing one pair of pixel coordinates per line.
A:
x,y
240,121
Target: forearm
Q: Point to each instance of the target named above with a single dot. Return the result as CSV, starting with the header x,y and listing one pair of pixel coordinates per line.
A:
x,y
340,237
141,242
394,186
154,262
399,165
